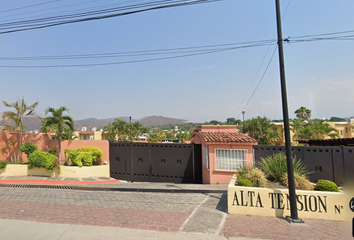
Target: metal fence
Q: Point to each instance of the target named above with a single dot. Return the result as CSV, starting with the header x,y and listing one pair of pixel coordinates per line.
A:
x,y
152,162
330,163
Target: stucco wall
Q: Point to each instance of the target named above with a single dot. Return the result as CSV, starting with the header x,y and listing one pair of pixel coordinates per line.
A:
x,y
224,177
44,144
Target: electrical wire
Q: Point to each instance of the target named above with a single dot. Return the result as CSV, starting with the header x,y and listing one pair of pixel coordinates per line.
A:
x,y
255,76
131,61
32,24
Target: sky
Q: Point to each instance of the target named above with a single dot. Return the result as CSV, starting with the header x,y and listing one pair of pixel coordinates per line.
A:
x,y
199,88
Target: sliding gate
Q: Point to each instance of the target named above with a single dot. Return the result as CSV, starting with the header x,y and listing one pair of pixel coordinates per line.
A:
x,y
156,162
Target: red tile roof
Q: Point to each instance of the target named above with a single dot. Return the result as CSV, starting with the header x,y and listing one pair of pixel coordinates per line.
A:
x,y
226,137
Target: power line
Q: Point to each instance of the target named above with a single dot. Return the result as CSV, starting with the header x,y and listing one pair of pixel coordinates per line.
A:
x,y
146,52
32,24
259,82
131,61
254,78
29,6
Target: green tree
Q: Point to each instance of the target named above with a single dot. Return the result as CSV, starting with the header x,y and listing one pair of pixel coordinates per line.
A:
x,y
260,128
59,122
21,110
312,129
214,122
303,113
233,121
183,136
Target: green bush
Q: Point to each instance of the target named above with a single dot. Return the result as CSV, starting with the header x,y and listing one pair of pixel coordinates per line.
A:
x,y
3,164
301,182
275,166
42,159
83,159
28,148
96,152
326,185
244,182
255,175
53,151
72,154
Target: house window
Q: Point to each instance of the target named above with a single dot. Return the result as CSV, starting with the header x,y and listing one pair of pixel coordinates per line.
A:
x,y
206,157
85,137
230,159
275,129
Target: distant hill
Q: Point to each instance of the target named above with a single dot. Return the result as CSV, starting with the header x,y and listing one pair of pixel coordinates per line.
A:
x,y
34,123
160,120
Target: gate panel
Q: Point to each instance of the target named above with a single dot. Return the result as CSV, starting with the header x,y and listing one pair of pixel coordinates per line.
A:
x,y
198,165
348,155
338,165
319,161
119,154
140,154
172,163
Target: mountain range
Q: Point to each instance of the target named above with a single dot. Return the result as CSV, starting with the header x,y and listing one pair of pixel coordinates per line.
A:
x,y
34,123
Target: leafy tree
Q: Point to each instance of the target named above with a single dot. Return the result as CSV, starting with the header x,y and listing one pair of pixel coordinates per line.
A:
x,y
59,122
260,128
336,119
185,136
303,113
214,122
68,134
28,148
233,121
21,110
120,129
312,129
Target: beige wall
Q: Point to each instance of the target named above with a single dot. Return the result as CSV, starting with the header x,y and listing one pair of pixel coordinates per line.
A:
x,y
275,203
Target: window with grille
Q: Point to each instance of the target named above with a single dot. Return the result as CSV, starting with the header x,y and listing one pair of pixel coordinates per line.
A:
x,y
230,159
206,157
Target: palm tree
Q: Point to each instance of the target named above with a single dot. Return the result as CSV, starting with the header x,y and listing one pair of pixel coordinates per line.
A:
x,y
303,113
59,122
10,117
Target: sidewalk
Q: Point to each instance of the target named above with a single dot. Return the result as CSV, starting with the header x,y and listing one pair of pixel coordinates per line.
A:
x,y
138,211
110,184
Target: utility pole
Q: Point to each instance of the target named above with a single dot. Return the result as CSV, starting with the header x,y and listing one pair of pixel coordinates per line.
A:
x,y
292,195
243,121
130,128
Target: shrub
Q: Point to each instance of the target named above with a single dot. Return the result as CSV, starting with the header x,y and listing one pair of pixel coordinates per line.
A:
x,y
53,151
83,158
42,159
301,182
72,155
3,164
244,182
255,175
326,185
275,166
96,152
28,148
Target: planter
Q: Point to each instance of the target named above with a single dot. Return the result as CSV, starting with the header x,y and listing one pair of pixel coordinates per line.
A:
x,y
275,202
66,171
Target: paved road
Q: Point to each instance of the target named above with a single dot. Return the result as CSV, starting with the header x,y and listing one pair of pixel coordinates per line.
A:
x,y
63,213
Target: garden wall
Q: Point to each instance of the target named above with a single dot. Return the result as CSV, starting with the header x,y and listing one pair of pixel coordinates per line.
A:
x,y
44,144
275,202
65,171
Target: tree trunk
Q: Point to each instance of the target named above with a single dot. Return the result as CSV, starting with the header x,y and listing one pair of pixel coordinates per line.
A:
x,y
59,146
19,142
8,146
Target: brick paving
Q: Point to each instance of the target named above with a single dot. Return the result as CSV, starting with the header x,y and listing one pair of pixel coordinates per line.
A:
x,y
96,216
276,228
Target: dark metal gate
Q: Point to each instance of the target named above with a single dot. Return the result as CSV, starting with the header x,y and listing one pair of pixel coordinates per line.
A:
x,y
330,163
156,162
